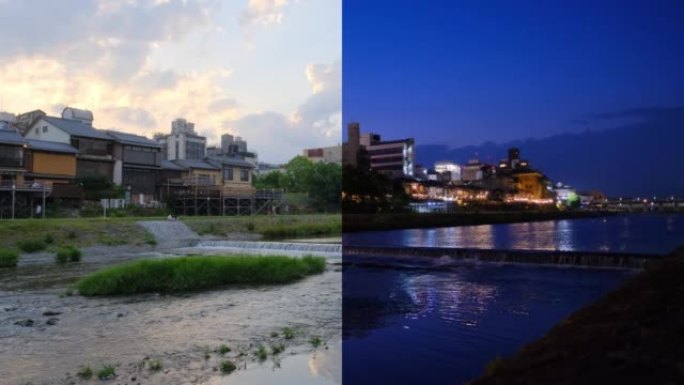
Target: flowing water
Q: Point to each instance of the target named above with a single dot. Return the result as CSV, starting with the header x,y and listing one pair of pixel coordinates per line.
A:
x,y
433,321
629,233
68,332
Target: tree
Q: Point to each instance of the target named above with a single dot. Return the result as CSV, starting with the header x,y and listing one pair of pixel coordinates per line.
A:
x,y
325,185
269,181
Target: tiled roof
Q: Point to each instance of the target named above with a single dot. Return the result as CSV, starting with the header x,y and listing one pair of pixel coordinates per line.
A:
x,y
133,139
77,128
228,161
198,164
11,137
169,165
44,145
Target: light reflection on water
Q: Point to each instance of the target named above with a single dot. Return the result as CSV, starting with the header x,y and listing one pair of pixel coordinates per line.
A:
x,y
638,233
443,326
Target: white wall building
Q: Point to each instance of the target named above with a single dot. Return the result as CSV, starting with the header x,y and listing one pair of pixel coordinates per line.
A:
x,y
183,142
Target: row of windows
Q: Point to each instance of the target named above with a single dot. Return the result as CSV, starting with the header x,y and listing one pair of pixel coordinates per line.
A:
x,y
228,174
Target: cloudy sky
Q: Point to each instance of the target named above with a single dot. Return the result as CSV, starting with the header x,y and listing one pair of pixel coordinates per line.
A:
x,y
267,70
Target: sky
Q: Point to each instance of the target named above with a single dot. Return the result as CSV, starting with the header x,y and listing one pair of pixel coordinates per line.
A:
x,y
466,72
267,70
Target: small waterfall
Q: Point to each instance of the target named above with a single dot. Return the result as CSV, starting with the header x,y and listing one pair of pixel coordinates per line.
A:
x,y
541,257
313,248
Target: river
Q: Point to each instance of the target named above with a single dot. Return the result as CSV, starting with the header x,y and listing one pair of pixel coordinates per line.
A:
x,y
433,324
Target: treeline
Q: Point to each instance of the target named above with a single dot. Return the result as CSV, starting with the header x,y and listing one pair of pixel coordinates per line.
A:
x,y
321,182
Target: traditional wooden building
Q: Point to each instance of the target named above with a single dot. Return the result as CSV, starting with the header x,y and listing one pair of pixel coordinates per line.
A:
x,y
137,166
95,147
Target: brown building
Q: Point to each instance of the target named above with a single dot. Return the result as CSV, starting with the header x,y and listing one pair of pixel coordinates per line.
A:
x,y
50,162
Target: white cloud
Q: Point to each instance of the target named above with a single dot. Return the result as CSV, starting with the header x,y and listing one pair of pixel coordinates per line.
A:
x,y
263,12
316,122
108,37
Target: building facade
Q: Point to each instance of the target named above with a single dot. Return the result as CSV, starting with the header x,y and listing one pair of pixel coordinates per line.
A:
x,y
183,142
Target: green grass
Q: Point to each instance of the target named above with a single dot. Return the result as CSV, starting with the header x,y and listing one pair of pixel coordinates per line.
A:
x,y
80,232
223,349
107,372
155,365
85,373
227,367
197,273
277,349
269,226
274,334
31,245
68,254
261,353
288,333
9,258
315,341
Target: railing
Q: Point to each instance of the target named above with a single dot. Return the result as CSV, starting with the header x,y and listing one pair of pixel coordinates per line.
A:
x,y
37,187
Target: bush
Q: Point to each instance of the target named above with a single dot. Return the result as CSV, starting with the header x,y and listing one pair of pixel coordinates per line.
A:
x,y
9,258
227,367
197,273
107,372
68,254
49,239
31,245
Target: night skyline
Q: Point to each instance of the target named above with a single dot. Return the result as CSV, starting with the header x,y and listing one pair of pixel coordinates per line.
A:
x,y
465,73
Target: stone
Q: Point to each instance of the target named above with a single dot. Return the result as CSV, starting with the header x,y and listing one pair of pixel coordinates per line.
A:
x,y
52,321
51,313
25,322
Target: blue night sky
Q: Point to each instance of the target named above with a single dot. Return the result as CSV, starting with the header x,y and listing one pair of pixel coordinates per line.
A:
x,y
462,73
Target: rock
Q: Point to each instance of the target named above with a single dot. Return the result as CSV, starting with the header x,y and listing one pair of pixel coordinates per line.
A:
x,y
25,322
52,321
10,308
51,313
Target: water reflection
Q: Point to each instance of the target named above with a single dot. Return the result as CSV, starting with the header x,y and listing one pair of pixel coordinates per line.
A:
x,y
640,233
323,367
453,320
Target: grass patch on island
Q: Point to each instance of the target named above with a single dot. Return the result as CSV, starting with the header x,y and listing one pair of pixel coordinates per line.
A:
x,y
9,258
197,273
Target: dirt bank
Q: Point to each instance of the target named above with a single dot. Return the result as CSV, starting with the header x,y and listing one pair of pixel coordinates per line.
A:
x,y
634,335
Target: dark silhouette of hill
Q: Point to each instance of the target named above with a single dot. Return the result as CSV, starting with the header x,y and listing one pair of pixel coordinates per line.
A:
x,y
645,158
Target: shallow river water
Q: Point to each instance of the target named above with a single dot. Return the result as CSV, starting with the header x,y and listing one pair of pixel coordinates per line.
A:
x,y
69,332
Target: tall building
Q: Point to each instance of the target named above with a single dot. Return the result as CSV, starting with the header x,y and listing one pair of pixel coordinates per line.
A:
x,y
324,154
226,143
395,158
183,142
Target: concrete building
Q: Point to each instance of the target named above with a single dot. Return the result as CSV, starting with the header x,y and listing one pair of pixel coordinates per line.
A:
x,y
394,158
448,171
324,154
183,142
353,154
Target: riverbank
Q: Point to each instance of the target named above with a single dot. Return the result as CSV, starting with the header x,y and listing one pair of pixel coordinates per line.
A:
x,y
83,232
49,335
633,335
396,221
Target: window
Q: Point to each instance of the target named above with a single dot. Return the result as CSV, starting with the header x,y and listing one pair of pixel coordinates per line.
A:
x,y
45,129
244,175
37,130
228,173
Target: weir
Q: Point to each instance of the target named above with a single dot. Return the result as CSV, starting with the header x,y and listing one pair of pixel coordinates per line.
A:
x,y
541,257
313,248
